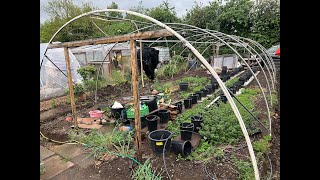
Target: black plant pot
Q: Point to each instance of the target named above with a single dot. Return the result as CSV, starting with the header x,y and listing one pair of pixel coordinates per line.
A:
x,y
152,122
224,70
194,98
233,90
205,92
179,106
215,86
213,80
223,98
183,86
181,147
187,103
150,101
210,91
186,130
223,78
199,94
164,115
197,120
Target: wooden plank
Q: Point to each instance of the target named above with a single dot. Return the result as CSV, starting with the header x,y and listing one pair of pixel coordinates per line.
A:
x,y
89,126
121,38
70,84
88,120
136,99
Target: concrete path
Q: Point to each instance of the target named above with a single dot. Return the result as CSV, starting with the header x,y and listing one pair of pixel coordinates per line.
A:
x,y
61,160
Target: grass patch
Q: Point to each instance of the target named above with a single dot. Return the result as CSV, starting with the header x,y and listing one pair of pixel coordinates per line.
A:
x,y
115,141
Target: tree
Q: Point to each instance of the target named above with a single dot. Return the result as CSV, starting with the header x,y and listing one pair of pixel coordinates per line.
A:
x,y
266,23
114,14
60,12
234,18
204,17
164,13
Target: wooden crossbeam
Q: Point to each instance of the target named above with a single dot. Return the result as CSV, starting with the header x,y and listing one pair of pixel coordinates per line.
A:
x,y
106,40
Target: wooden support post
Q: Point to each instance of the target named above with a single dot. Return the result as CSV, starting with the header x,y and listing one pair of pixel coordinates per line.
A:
x,y
136,98
141,66
110,65
70,84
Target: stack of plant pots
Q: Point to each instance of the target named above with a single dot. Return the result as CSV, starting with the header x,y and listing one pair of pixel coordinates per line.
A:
x,y
210,89
197,120
194,98
200,95
205,92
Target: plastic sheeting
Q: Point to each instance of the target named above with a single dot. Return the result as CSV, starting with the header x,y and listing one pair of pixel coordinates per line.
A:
x,y
93,53
52,81
231,61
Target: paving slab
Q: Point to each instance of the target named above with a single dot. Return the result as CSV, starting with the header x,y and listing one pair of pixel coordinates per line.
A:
x,y
67,151
83,160
54,166
45,153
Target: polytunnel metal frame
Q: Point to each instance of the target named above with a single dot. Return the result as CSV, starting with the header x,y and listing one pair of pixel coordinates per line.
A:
x,y
203,61
223,41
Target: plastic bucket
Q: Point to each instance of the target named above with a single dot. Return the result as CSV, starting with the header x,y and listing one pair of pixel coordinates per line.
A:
x,y
186,130
116,112
158,139
152,122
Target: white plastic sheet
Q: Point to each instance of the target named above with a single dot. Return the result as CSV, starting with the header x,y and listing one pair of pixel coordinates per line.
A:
x,y
52,81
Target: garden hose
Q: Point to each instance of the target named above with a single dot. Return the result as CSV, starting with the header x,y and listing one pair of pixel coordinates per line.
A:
x,y
164,160
60,142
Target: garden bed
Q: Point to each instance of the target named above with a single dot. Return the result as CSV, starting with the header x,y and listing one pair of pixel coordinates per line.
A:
x,y
220,165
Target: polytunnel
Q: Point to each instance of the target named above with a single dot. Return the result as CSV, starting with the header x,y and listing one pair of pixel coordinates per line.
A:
x,y
192,39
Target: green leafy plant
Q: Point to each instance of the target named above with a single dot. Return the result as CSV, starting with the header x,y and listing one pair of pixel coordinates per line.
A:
x,y
146,172
262,146
245,169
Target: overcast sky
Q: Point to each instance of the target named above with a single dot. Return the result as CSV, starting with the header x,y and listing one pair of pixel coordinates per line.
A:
x,y
180,5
